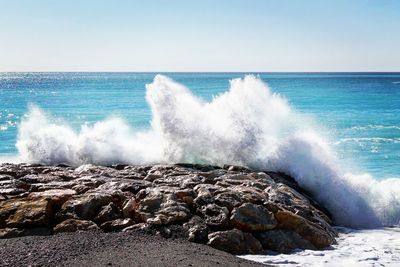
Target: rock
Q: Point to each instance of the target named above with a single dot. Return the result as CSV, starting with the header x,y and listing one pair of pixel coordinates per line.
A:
x,y
58,196
18,232
227,207
11,232
249,193
25,212
235,242
185,195
289,199
216,217
128,208
73,225
84,206
306,229
160,209
197,230
283,241
229,200
117,224
136,227
108,213
234,168
252,218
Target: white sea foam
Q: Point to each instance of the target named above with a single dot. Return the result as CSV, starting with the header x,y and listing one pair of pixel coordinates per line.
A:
x,y
355,248
376,127
368,139
247,125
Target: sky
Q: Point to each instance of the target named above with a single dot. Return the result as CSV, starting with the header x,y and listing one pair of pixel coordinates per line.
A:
x,y
206,35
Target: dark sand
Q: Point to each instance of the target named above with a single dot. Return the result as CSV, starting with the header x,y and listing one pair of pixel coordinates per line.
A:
x,y
111,249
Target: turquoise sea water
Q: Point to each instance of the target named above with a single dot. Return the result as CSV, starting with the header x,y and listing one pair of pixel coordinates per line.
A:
x,y
359,111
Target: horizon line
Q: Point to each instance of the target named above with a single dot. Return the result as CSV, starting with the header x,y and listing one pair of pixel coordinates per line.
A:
x,y
112,71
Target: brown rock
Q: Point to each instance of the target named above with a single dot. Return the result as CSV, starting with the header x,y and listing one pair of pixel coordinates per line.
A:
x,y
73,225
117,224
216,217
84,206
229,200
160,209
18,232
108,213
308,230
283,241
252,218
235,242
197,230
58,196
29,212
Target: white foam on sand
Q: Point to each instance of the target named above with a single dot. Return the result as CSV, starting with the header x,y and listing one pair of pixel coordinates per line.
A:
x,y
355,248
247,125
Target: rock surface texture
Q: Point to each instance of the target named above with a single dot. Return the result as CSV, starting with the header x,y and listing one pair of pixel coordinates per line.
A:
x,y
232,208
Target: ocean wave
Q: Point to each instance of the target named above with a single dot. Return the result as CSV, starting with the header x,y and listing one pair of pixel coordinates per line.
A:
x,y
376,127
368,139
247,125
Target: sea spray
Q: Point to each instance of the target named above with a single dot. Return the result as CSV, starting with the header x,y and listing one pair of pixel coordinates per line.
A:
x,y
247,125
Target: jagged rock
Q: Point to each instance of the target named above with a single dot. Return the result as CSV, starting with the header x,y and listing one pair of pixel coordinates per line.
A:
x,y
289,199
128,208
58,196
73,225
283,241
136,227
25,212
216,217
108,213
308,230
183,200
18,232
197,230
229,200
235,242
117,224
252,218
84,206
160,209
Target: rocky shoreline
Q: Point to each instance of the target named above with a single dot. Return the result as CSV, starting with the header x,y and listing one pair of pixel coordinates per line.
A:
x,y
232,208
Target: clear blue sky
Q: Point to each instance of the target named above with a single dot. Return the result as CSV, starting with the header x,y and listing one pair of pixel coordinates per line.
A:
x,y
206,35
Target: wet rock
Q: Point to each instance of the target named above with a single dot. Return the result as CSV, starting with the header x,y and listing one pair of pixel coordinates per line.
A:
x,y
235,242
308,230
73,225
289,199
252,218
283,241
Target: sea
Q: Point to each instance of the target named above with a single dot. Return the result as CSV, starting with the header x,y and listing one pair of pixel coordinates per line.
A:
x,y
337,134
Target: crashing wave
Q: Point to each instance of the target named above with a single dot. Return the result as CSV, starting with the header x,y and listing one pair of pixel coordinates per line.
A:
x,y
248,125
